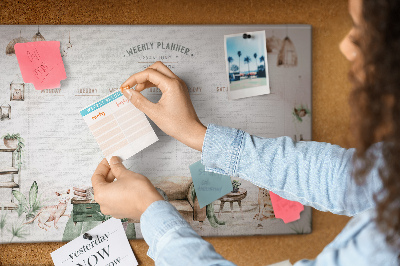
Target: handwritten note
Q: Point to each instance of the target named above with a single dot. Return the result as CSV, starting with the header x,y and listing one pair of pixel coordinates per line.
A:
x,y
284,209
41,63
209,186
118,126
109,246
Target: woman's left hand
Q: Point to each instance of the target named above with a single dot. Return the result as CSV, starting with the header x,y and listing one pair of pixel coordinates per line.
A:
x,y
128,196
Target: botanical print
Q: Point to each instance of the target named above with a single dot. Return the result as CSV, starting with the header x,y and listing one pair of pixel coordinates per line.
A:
x,y
47,150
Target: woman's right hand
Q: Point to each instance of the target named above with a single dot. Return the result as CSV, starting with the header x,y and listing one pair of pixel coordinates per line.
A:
x,y
174,112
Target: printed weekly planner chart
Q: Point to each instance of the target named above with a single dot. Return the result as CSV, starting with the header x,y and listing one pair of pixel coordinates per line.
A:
x,y
119,127
52,140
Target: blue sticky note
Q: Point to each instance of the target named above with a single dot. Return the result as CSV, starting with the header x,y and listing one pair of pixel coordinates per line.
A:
x,y
209,186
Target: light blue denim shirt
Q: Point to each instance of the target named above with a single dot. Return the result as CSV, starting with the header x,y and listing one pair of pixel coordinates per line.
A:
x,y
312,173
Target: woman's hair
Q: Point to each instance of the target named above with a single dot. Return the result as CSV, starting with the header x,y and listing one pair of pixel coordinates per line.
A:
x,y
375,103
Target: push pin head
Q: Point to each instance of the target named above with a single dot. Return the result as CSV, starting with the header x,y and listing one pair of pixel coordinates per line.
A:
x,y
87,236
246,36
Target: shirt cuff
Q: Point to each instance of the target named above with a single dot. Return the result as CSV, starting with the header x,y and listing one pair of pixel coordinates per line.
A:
x,y
221,151
158,219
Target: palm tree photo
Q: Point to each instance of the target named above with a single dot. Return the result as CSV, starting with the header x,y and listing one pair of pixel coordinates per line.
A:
x,y
247,60
239,54
230,60
262,59
255,59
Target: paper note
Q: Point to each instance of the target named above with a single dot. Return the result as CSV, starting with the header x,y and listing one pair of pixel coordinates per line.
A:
x,y
41,63
118,126
284,209
209,186
109,246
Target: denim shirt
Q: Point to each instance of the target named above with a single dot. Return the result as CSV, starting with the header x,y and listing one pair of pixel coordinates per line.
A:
x,y
312,173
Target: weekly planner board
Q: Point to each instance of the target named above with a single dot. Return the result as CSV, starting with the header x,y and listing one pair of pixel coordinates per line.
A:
x,y
48,153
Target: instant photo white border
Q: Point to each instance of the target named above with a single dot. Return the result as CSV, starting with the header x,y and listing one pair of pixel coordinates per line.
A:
x,y
247,92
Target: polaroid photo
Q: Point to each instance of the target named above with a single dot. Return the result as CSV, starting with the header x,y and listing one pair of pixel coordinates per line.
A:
x,y
246,64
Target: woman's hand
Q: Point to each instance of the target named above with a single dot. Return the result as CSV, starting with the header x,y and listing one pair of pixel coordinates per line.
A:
x,y
174,112
128,196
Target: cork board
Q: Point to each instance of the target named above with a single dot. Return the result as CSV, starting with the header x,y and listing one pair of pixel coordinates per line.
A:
x,y
330,93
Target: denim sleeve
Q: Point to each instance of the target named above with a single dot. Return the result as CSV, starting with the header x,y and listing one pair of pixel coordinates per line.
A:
x,y
313,173
172,241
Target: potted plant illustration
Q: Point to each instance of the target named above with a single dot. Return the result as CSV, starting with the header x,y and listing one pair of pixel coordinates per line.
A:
x,y
300,112
14,141
235,184
29,205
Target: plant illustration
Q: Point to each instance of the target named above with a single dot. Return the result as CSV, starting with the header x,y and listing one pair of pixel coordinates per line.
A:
x,y
18,230
235,184
29,207
18,152
3,218
300,112
212,218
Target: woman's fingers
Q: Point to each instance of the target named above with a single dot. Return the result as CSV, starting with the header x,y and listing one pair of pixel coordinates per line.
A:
x,y
141,86
110,177
100,175
157,78
160,67
141,103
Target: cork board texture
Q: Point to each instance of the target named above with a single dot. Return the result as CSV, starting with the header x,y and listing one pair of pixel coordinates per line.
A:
x,y
330,22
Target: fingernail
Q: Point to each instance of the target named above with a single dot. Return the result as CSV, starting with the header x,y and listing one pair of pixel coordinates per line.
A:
x,y
124,88
115,160
129,93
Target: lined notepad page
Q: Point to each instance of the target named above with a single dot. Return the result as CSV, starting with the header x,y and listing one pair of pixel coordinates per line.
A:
x,y
118,126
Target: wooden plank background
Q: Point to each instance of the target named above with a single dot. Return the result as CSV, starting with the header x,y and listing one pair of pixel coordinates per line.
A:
x,y
330,22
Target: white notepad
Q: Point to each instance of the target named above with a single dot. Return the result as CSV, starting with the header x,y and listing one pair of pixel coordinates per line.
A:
x,y
118,126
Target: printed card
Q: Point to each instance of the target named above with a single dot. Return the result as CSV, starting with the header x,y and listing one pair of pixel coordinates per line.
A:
x,y
108,246
209,186
118,126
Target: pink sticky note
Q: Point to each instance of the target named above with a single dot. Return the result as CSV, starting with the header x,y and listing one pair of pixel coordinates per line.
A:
x,y
41,63
286,210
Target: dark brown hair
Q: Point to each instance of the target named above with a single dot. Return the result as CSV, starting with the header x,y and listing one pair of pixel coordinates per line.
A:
x,y
375,103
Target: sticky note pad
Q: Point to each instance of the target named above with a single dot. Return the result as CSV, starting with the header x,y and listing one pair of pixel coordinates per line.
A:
x,y
209,186
118,126
108,246
287,210
41,63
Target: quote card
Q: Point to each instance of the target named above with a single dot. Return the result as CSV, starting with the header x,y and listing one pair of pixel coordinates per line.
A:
x,y
41,64
287,210
209,186
109,246
118,126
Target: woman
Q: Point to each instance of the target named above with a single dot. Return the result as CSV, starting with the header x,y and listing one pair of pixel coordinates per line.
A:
x,y
361,182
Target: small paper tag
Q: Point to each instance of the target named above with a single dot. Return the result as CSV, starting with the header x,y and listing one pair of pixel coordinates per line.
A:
x,y
287,210
109,246
209,186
